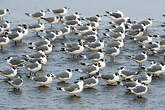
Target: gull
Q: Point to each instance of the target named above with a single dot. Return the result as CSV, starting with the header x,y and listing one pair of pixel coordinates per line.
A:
x,y
40,43
84,29
86,34
135,33
97,18
37,15
72,17
90,70
43,80
126,74
157,69
47,49
51,20
115,15
120,28
33,67
97,56
64,76
16,82
146,79
115,36
9,72
117,43
140,58
73,89
74,23
15,61
3,12
59,12
111,78
121,21
139,90
37,27
96,46
144,40
91,81
147,23
5,25
74,49
4,40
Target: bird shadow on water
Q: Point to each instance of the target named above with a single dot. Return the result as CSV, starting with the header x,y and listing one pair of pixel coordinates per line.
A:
x,y
140,101
15,91
90,90
73,99
43,88
63,84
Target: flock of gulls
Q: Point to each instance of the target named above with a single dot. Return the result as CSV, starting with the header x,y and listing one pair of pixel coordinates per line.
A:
x,y
85,29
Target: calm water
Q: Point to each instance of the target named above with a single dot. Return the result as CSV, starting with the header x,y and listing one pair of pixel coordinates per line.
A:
x,y
32,97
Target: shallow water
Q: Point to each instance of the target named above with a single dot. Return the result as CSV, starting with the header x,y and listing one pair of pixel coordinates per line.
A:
x,y
32,97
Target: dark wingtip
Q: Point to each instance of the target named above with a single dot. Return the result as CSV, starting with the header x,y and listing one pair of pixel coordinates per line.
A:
x,y
58,88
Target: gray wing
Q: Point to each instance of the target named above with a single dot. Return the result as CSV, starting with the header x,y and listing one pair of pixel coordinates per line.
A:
x,y
16,29
144,22
119,21
162,42
89,69
129,84
64,30
50,19
73,48
82,28
139,89
118,29
93,56
40,79
107,77
71,88
127,73
50,35
43,48
1,12
154,68
113,44
32,65
17,81
142,78
116,15
13,35
115,35
34,26
89,81
71,17
94,45
62,75
38,14
91,39
141,39
2,39
40,43
36,55
139,57
137,26
87,33
58,11
16,61
71,23
92,19
6,72
162,36
133,33
110,50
